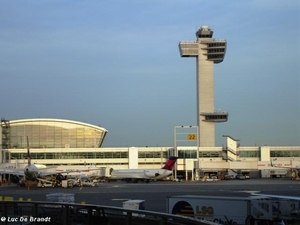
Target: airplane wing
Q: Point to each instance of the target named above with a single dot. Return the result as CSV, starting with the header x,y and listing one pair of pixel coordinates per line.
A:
x,y
43,172
18,172
72,172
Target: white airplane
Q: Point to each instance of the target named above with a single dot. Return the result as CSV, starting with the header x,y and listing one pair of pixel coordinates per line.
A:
x,y
31,174
144,175
295,170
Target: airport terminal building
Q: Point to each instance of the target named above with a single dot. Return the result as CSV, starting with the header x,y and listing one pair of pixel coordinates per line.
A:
x,y
67,142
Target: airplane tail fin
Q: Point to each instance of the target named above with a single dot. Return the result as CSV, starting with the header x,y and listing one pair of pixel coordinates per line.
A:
x,y
28,153
170,163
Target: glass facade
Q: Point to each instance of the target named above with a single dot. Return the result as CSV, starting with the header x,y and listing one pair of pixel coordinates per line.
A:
x,y
71,155
210,154
286,153
192,154
249,154
50,133
187,154
148,154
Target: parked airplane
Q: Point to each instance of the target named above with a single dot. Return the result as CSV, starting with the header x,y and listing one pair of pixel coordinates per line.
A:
x,y
31,174
295,170
144,175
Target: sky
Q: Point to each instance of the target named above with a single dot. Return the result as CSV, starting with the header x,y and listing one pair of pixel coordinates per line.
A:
x,y
117,64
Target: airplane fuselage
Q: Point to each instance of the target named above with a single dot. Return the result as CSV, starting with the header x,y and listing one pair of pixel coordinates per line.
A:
x,y
31,172
140,174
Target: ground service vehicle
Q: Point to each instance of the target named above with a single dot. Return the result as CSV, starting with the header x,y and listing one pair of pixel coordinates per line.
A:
x,y
68,183
240,177
136,204
256,210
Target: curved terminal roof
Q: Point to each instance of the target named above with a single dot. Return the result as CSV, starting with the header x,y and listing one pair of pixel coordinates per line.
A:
x,y
55,133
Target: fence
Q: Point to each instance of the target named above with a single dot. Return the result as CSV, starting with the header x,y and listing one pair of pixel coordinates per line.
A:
x,y
17,212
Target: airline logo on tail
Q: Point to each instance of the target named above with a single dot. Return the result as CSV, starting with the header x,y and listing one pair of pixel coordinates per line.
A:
x,y
170,163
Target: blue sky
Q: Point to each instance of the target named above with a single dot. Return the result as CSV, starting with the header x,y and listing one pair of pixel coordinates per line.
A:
x,y
117,64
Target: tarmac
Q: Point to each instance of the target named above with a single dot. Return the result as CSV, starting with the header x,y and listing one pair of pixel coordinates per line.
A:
x,y
155,193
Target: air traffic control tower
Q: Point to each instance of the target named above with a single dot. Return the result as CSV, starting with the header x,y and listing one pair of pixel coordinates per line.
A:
x,y
207,51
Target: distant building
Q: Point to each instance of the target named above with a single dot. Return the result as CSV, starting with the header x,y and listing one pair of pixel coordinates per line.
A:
x,y
52,133
66,142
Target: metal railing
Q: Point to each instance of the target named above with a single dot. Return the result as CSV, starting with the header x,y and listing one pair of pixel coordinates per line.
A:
x,y
18,212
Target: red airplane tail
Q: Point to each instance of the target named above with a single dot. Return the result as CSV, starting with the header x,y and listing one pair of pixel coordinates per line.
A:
x,y
170,163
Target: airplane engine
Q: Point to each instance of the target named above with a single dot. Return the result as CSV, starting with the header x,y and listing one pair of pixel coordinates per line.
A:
x,y
14,179
151,174
59,177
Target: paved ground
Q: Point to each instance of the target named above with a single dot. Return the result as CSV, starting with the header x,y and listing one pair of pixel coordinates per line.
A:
x,y
156,193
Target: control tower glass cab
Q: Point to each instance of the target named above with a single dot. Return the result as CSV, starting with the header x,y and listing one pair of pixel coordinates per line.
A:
x,y
204,32
215,48
207,51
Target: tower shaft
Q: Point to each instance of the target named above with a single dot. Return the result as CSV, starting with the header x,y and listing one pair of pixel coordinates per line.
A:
x,y
205,100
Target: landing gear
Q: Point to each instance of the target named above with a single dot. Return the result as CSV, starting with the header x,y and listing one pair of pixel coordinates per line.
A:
x,y
135,180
